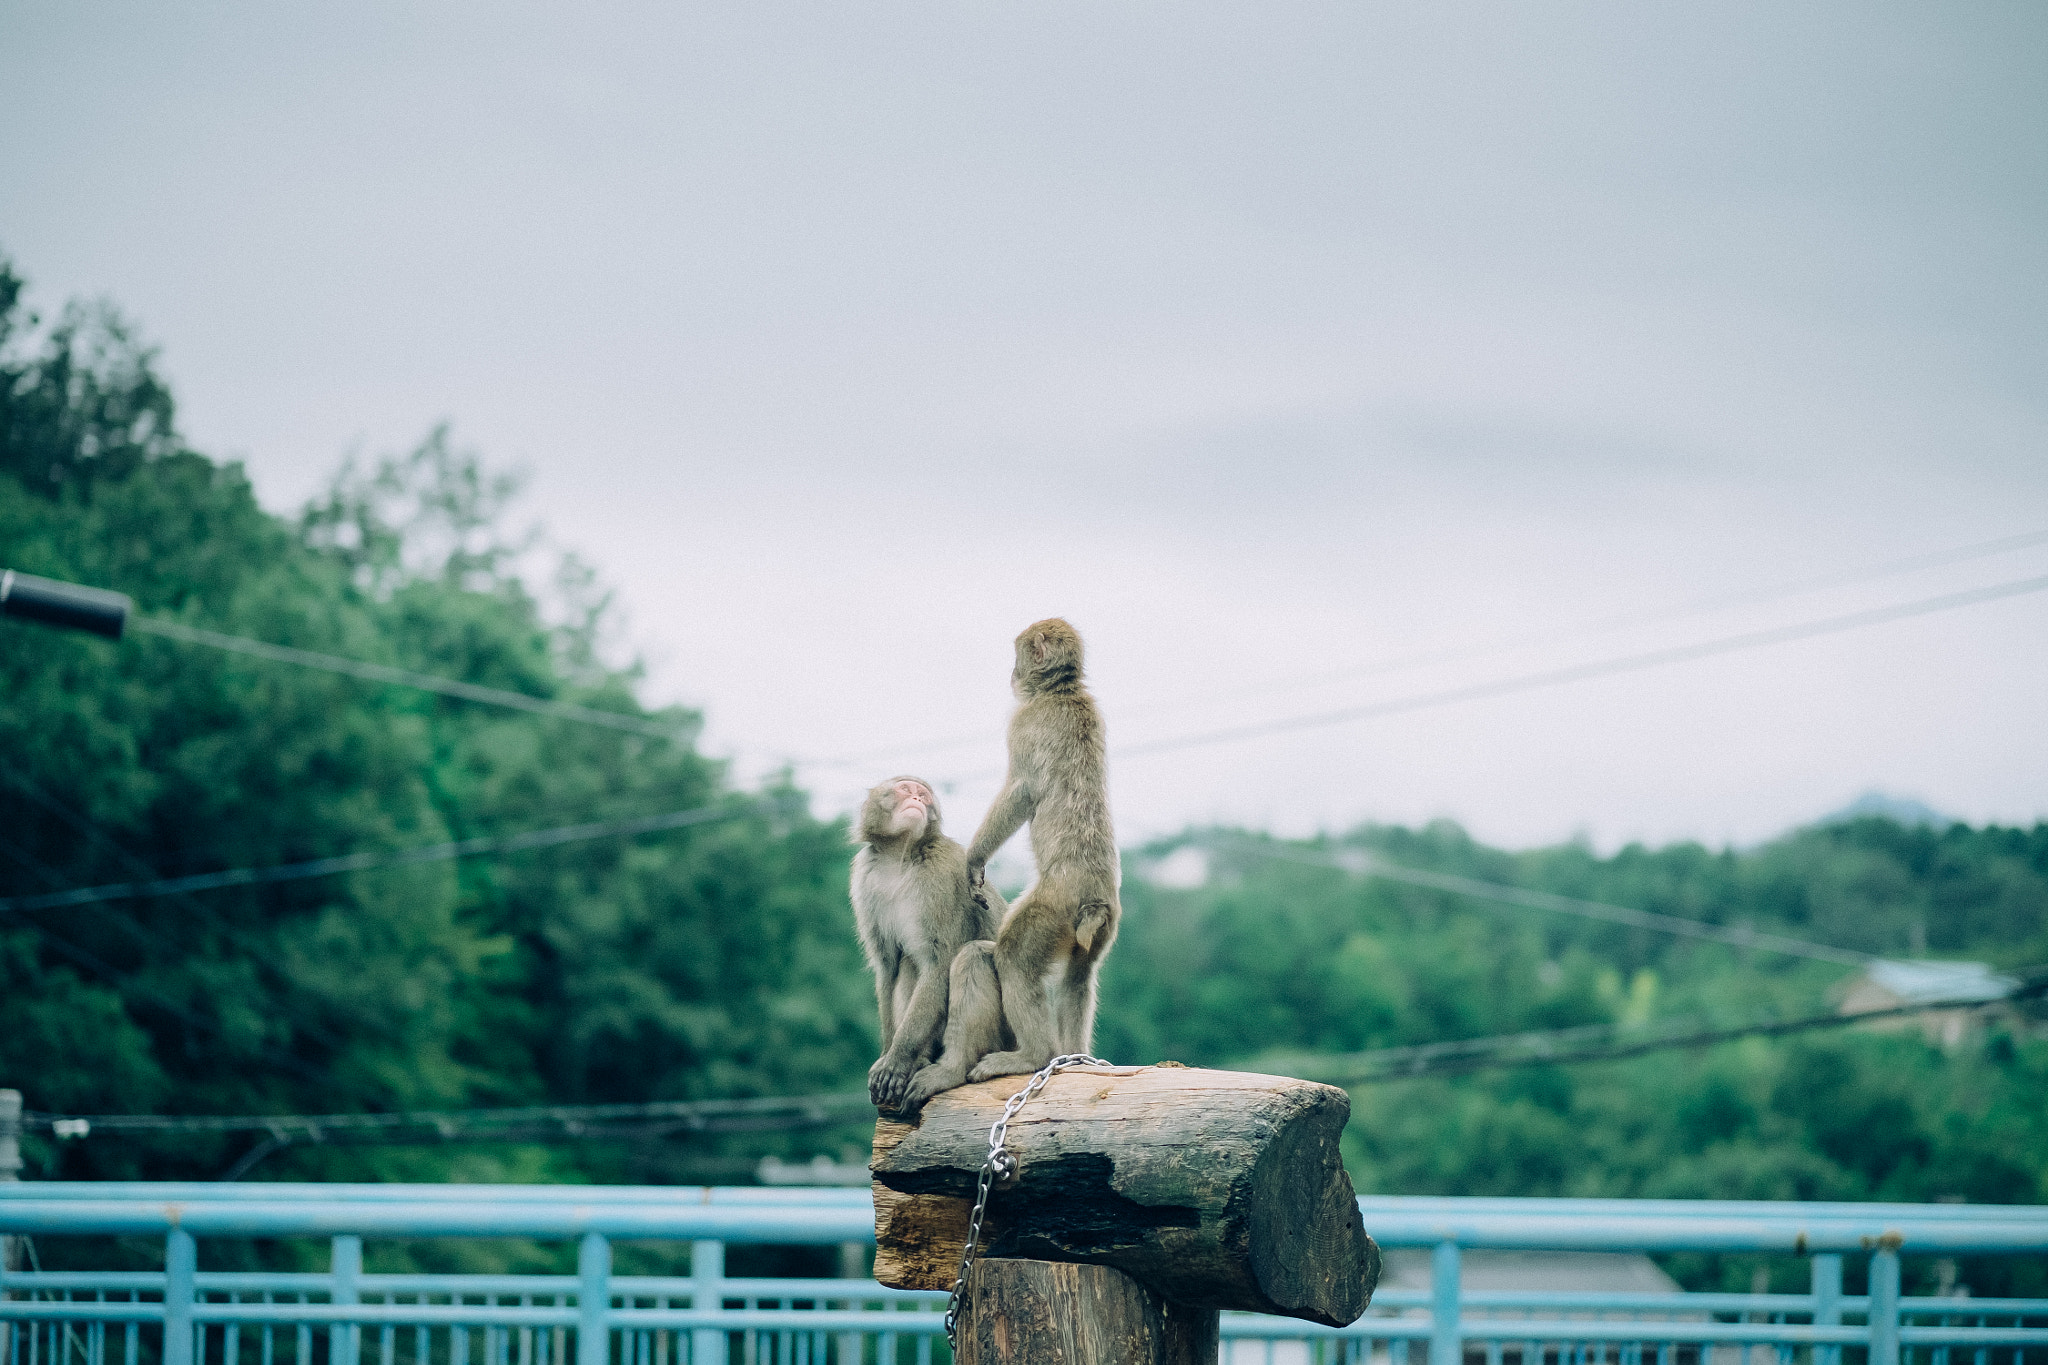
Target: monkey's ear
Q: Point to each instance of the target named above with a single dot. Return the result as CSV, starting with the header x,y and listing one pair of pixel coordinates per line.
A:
x,y
1041,646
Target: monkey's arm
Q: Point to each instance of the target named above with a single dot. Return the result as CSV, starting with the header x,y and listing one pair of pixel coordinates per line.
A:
x,y
1013,807
885,998
919,1026
924,1017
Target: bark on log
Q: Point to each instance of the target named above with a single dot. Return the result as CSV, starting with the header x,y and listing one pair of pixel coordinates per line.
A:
x,y
1215,1189
1062,1313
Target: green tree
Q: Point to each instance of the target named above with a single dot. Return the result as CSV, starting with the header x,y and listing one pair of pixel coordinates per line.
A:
x,y
710,961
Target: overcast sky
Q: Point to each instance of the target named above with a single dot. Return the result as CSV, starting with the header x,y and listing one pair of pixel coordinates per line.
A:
x,y
1275,345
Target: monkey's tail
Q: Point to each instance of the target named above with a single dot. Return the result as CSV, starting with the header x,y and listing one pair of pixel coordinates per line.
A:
x,y
1089,924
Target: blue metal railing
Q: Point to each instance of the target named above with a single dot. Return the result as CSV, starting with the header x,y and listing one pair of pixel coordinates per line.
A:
x,y
345,1316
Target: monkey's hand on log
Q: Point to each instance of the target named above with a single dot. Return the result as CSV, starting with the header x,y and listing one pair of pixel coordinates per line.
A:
x,y
889,1082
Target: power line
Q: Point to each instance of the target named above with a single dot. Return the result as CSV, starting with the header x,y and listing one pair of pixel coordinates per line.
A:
x,y
1775,592
257,952
534,1124
1697,607
1585,1043
1627,663
675,820
680,731
765,1114
359,862
1736,936
127,984
1591,1043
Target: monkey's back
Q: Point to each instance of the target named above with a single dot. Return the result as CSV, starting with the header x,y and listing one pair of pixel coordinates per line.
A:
x,y
1071,837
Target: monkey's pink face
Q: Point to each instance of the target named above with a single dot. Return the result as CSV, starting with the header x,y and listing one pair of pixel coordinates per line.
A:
x,y
913,806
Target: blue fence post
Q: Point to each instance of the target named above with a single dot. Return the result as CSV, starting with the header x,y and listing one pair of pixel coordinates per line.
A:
x,y
345,1263
181,1271
1446,1344
1884,1306
707,1268
1827,1301
10,1170
594,1301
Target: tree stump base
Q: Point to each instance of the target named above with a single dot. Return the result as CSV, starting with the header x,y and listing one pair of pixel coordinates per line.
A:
x,y
1195,1190
1065,1313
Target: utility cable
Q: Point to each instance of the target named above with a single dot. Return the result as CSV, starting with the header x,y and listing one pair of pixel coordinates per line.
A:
x,y
749,1115
613,828
1551,1047
1627,663
246,942
1593,1043
360,862
1889,568
1678,612
682,731
1737,936
126,984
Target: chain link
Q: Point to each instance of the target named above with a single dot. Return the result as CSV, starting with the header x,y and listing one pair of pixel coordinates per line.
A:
x,y
1000,1165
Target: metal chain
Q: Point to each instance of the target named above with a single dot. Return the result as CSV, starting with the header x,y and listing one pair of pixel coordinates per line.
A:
x,y
1000,1165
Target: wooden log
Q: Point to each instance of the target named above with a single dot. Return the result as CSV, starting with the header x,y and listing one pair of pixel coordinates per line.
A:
x,y
1214,1189
1063,1313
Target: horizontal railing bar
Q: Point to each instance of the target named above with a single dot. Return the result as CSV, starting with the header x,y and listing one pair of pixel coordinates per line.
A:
x,y
453,1314
1657,1329
259,1192
1233,1325
771,1319
829,1214
769,1223
1510,1330
628,1286
462,1315
1394,1206
642,1319
845,1196
1370,1328
1522,1329
797,1224
301,1281
1796,1210
83,1279
1640,1301
676,1286
1705,1231
62,1310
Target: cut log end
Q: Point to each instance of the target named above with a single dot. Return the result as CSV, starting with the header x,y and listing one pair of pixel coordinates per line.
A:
x,y
1214,1189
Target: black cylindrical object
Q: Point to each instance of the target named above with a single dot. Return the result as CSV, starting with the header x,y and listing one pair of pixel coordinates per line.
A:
x,y
63,604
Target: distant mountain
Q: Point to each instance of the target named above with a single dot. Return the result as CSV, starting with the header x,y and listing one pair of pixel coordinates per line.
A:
x,y
1903,809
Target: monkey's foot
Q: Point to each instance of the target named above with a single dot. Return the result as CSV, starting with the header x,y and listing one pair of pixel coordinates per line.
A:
x,y
932,1080
889,1082
1007,1064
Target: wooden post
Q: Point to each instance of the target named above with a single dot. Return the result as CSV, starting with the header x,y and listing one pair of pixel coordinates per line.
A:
x,y
1205,1189
1036,1312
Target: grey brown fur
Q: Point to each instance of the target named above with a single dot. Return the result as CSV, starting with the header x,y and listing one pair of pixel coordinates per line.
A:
x,y
1033,989
915,911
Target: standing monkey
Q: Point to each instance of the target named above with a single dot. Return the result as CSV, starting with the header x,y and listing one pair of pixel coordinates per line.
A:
x,y
1051,943
915,911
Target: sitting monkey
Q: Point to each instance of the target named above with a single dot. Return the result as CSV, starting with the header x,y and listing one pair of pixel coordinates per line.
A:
x,y
915,911
1029,996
